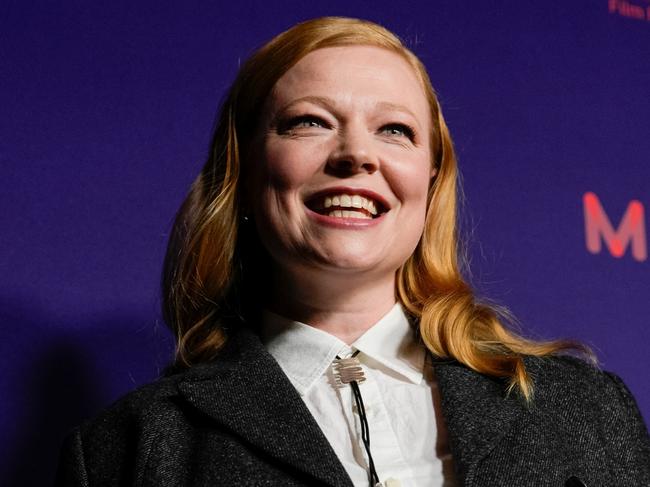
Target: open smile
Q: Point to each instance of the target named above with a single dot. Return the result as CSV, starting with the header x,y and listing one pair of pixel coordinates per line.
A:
x,y
348,203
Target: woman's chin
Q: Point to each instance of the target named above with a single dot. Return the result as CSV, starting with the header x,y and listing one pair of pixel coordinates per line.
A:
x,y
361,261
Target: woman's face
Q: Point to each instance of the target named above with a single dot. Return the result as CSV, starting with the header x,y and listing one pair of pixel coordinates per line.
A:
x,y
339,175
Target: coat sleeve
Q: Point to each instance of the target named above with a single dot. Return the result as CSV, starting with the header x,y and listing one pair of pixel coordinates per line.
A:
x,y
631,444
71,471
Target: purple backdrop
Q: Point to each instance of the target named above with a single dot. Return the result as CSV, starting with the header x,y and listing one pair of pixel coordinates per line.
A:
x,y
106,117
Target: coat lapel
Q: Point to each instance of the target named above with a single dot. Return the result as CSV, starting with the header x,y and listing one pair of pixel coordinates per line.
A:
x,y
477,414
246,391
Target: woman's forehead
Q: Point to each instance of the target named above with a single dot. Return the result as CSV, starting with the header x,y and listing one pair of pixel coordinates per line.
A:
x,y
362,73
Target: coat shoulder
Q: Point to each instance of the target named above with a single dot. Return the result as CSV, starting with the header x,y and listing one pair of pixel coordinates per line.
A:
x,y
566,379
150,405
566,370
146,401
582,421
591,402
114,446
577,377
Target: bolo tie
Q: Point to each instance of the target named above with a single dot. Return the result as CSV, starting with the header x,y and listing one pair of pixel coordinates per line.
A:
x,y
349,371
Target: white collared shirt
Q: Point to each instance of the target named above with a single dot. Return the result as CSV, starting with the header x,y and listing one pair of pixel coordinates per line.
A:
x,y
408,439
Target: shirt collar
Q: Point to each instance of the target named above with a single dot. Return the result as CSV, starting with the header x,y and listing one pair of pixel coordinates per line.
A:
x,y
304,352
391,342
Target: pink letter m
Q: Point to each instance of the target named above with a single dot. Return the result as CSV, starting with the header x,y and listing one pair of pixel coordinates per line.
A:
x,y
632,227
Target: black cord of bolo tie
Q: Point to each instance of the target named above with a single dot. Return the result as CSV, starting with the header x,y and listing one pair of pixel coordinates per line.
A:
x,y
365,430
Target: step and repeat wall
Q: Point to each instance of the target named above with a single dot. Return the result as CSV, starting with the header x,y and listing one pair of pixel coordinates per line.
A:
x,y
107,111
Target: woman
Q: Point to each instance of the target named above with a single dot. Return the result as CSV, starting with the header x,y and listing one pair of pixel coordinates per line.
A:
x,y
325,334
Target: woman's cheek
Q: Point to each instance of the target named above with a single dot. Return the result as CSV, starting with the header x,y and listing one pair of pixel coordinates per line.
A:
x,y
409,181
289,164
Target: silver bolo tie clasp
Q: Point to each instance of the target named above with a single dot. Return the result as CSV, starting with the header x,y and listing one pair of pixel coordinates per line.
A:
x,y
347,370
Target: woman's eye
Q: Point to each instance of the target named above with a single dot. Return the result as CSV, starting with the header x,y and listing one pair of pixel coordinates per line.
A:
x,y
308,122
304,122
398,130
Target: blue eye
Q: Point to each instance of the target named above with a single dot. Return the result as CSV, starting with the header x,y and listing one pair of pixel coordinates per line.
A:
x,y
309,122
304,121
295,126
398,130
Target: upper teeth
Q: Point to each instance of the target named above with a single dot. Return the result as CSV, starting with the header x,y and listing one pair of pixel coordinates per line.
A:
x,y
350,201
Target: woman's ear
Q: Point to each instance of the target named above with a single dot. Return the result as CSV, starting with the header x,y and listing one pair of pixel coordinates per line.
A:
x,y
434,172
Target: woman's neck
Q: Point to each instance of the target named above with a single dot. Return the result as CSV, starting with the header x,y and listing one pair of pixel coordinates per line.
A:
x,y
338,303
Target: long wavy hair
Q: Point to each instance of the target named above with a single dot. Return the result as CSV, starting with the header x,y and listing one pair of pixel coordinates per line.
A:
x,y
215,262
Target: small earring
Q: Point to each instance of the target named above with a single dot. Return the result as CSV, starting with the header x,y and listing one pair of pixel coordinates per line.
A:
x,y
245,219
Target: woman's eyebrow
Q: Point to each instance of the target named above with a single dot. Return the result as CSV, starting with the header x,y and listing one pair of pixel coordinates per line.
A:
x,y
395,107
331,104
317,100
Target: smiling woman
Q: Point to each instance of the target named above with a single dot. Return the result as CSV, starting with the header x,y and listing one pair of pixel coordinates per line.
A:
x,y
325,333
342,127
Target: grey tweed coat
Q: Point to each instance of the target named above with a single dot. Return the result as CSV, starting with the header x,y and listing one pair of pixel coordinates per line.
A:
x,y
239,422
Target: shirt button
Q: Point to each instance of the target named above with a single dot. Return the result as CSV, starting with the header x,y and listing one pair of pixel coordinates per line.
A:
x,y
368,409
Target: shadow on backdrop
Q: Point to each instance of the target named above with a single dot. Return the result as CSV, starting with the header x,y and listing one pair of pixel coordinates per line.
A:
x,y
67,377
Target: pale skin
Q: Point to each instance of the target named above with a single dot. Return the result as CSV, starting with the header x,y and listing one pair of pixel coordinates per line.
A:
x,y
342,120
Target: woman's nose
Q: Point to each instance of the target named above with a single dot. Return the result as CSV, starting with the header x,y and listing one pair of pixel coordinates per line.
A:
x,y
354,153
